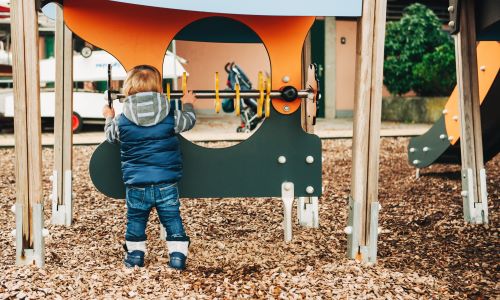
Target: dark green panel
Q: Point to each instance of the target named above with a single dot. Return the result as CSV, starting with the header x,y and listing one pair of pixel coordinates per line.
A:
x,y
249,169
433,141
318,57
218,30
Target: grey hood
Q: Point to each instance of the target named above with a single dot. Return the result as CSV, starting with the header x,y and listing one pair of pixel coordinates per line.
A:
x,y
146,109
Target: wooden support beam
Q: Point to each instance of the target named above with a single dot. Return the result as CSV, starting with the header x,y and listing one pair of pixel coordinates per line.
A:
x,y
330,88
473,173
27,127
362,229
307,207
62,204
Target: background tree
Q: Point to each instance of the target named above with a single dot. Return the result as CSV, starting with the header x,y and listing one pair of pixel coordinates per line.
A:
x,y
419,55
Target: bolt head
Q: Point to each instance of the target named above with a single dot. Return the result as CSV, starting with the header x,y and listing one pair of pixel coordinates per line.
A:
x,y
416,162
425,149
309,159
455,118
482,68
282,159
445,111
451,24
288,186
412,150
286,108
442,136
348,230
450,138
451,8
285,79
309,190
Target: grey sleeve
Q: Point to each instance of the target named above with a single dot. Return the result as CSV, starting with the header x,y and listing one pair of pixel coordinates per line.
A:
x,y
111,130
185,119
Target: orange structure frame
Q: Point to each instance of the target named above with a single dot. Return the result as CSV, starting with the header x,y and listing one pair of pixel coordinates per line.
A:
x,y
137,35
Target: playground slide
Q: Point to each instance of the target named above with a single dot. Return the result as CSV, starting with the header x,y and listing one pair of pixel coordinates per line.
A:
x,y
442,142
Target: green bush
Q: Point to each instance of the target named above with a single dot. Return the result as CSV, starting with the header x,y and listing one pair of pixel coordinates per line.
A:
x,y
419,55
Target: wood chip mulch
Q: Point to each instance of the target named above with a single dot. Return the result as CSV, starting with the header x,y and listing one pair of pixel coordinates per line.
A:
x,y
426,251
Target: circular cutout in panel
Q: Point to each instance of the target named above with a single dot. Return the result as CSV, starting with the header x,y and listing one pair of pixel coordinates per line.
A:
x,y
235,53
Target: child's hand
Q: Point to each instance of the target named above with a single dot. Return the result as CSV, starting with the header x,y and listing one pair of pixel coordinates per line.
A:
x,y
189,98
108,112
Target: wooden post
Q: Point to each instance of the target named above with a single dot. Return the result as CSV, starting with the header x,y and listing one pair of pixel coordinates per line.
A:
x,y
307,207
362,229
330,88
473,173
62,202
27,127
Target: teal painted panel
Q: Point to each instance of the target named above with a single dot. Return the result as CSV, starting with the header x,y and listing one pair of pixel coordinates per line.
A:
x,y
248,169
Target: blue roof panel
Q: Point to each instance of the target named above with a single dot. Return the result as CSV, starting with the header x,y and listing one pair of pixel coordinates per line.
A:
x,y
339,8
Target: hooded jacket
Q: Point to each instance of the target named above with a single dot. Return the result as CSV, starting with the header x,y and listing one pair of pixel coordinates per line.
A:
x,y
147,131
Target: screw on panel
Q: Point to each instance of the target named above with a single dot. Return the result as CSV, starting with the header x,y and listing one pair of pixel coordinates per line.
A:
x,y
425,149
285,79
451,8
286,108
412,150
455,118
445,111
442,136
348,230
451,24
482,68
416,162
309,190
450,138
282,159
309,159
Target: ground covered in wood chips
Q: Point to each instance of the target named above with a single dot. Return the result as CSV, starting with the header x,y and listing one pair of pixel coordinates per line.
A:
x,y
425,249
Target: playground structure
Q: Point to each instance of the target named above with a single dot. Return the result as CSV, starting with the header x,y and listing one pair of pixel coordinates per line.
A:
x,y
285,159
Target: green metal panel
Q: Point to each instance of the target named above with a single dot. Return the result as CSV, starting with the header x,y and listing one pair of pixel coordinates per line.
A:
x,y
218,30
248,169
49,46
318,57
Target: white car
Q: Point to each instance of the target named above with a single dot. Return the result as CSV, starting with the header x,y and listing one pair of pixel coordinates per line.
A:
x,y
87,107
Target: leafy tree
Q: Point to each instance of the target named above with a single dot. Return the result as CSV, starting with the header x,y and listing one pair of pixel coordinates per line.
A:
x,y
418,54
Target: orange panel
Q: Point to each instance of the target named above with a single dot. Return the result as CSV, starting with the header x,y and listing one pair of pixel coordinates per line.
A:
x,y
140,35
488,56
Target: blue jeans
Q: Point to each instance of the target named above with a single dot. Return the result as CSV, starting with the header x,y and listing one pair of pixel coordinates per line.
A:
x,y
140,201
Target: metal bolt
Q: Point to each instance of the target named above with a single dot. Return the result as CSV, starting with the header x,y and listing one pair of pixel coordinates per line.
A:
x,y
445,111
282,159
348,230
451,8
464,193
482,68
309,190
450,138
412,150
455,118
309,159
416,162
285,79
451,24
425,149
286,108
442,136
288,186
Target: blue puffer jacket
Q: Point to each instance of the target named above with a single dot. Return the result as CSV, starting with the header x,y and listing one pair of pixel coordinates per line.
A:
x,y
150,155
147,131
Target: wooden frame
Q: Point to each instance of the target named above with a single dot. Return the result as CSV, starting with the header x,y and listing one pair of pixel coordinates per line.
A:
x,y
363,205
27,126
473,173
62,204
